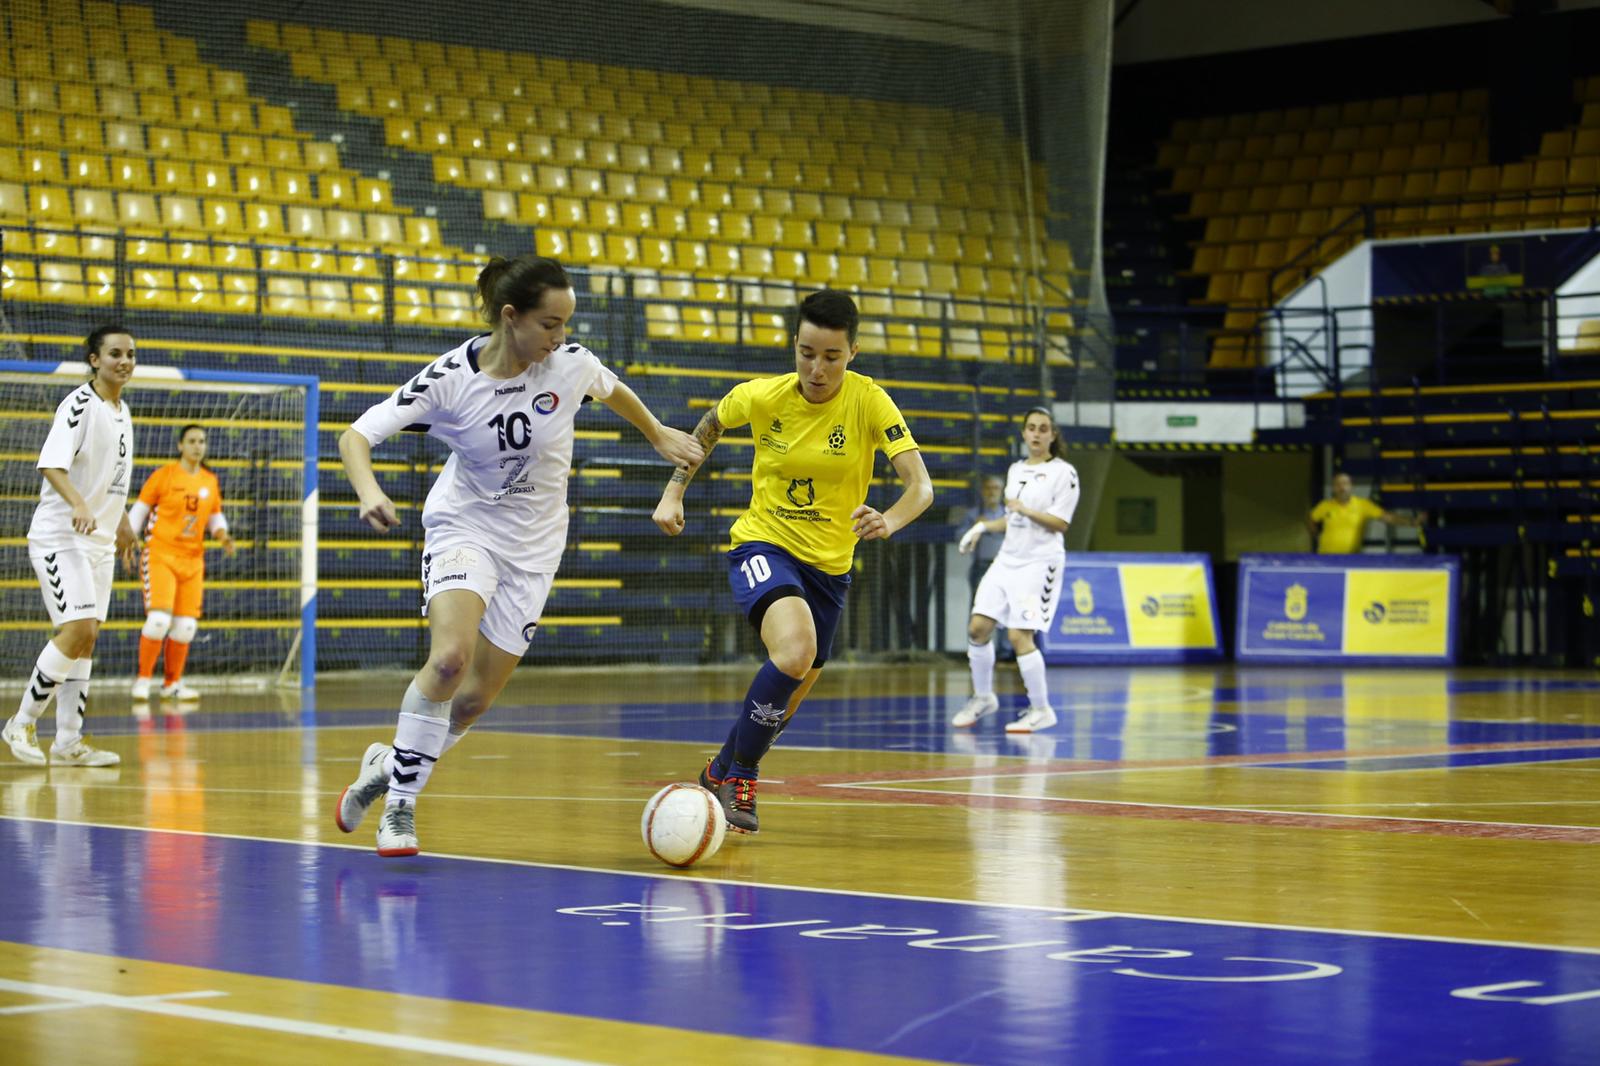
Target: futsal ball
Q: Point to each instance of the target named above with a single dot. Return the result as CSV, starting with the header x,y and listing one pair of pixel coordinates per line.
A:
x,y
683,824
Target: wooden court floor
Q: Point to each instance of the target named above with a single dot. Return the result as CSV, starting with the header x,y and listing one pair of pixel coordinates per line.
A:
x,y
1196,865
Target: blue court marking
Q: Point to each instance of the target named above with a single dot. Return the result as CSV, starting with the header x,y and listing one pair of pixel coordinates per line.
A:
x,y
933,979
1451,761
1106,723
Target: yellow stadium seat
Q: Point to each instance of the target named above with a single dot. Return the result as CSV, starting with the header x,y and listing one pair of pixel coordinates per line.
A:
x,y
584,247
46,203
137,210
286,296
384,229
125,137
421,232
342,226
198,291
550,242
533,209
329,298
304,222
661,322
153,288
655,252
61,282
238,293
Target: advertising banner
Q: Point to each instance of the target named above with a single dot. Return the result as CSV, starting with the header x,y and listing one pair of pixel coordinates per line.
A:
x,y
1134,607
1347,609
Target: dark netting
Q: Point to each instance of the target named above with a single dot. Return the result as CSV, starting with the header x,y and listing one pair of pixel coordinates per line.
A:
x,y
313,188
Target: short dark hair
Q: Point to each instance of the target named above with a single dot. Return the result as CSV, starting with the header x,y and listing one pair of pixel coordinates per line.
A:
x,y
830,309
185,430
520,282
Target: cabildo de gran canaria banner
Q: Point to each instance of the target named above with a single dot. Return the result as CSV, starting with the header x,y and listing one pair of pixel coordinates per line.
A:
x,y
1124,608
1347,608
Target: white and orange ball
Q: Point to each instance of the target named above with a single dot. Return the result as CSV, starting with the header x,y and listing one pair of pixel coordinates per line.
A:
x,y
683,824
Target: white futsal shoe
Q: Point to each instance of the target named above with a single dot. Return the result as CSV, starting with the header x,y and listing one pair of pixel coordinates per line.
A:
x,y
1032,720
370,783
141,689
976,708
180,692
24,741
397,830
81,753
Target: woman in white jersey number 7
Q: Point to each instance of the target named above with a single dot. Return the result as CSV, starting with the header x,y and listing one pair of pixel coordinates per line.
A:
x,y
81,523
495,521
1023,584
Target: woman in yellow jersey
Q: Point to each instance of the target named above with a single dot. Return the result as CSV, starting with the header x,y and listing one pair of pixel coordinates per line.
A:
x,y
1338,524
179,504
816,431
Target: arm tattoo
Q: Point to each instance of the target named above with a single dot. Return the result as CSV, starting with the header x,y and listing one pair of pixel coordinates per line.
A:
x,y
708,431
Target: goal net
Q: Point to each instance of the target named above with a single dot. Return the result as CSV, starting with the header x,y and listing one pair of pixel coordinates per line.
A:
x,y
259,614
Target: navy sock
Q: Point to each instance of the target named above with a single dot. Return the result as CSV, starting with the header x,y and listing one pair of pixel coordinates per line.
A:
x,y
760,721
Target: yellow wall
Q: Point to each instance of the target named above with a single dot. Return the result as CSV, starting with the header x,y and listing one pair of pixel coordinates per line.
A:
x,y
1126,479
1265,500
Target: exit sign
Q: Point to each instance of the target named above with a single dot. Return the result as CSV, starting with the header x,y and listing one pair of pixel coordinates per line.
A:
x,y
1182,421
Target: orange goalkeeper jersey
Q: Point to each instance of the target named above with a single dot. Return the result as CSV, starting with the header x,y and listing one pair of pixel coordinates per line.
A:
x,y
181,504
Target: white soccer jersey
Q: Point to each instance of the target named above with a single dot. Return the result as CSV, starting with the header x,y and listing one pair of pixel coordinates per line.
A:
x,y
91,440
1051,487
505,484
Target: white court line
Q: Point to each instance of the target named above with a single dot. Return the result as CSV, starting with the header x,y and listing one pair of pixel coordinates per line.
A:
x,y
1069,800
41,1008
1078,913
370,1037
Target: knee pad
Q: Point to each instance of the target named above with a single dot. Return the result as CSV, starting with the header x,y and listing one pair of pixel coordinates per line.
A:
x,y
183,630
156,624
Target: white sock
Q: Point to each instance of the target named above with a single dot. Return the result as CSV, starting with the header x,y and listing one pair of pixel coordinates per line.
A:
x,y
980,657
51,669
71,700
1032,667
419,740
452,738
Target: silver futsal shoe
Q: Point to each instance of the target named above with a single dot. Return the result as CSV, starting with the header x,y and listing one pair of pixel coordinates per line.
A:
x,y
370,783
976,708
397,829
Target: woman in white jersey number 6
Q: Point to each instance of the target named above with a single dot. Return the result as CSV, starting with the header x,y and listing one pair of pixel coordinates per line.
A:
x,y
1023,584
495,521
81,523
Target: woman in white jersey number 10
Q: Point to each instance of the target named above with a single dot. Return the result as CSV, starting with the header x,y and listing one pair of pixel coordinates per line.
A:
x,y
1023,584
78,528
495,521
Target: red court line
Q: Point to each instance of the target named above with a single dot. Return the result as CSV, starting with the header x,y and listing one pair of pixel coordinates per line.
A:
x,y
841,786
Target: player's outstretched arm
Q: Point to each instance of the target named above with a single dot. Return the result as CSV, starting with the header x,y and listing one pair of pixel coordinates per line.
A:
x,y
376,509
673,445
669,512
869,524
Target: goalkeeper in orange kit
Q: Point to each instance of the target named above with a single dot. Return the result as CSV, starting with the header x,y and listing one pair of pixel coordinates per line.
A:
x,y
179,504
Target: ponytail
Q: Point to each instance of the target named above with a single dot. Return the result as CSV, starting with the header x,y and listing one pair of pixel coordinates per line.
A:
x,y
520,282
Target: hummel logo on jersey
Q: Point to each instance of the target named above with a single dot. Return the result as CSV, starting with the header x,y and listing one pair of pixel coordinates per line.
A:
x,y
509,389
75,413
777,425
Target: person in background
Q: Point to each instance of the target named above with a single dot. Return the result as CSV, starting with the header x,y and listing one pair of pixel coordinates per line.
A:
x,y
1338,524
179,505
991,505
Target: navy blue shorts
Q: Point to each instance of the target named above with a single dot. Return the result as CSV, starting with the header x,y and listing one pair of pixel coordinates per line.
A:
x,y
761,573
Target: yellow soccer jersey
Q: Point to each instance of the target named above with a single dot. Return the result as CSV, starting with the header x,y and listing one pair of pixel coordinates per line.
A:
x,y
1342,527
813,462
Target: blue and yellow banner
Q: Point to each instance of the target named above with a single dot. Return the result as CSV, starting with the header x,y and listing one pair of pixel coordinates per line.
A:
x,y
1119,607
1347,608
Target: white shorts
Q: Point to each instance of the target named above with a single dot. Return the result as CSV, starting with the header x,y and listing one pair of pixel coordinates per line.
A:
x,y
76,582
513,599
1020,595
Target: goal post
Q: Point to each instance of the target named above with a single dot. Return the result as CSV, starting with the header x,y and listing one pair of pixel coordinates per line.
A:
x,y
260,607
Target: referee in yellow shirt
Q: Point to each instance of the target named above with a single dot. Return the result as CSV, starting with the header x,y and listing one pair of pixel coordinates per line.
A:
x,y
816,431
1338,524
